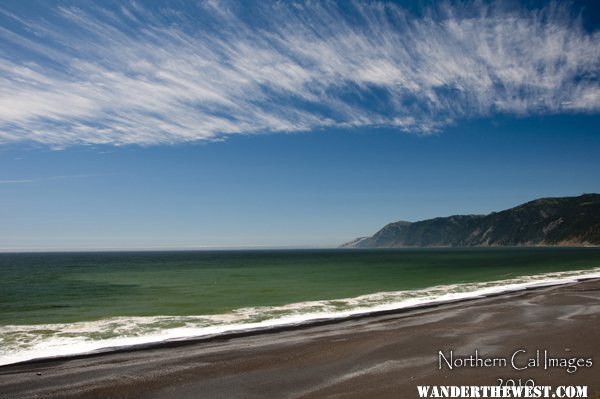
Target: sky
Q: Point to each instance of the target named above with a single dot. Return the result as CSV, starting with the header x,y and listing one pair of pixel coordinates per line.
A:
x,y
209,124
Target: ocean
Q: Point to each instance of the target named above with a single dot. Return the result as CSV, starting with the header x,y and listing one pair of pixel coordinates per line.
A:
x,y
56,304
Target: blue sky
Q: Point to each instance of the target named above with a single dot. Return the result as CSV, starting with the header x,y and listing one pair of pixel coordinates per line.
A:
x,y
226,124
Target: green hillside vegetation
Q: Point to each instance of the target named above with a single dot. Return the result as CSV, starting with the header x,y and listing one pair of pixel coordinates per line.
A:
x,y
567,221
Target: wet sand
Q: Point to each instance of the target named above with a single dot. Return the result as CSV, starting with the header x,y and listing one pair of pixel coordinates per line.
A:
x,y
382,356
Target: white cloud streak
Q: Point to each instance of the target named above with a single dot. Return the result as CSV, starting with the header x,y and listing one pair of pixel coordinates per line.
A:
x,y
146,76
58,177
15,181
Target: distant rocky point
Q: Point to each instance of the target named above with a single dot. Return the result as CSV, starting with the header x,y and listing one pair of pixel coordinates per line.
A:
x,y
567,221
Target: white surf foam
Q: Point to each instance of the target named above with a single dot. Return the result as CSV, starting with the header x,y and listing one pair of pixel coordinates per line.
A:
x,y
26,342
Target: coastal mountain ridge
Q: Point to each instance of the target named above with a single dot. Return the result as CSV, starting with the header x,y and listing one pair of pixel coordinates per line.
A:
x,y
563,221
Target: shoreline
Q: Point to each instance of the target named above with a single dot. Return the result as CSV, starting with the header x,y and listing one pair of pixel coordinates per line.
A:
x,y
559,318
357,314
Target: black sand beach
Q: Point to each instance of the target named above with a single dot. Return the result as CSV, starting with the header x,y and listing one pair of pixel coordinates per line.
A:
x,y
383,356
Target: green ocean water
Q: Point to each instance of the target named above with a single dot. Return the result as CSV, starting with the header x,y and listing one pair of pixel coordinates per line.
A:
x,y
67,287
53,300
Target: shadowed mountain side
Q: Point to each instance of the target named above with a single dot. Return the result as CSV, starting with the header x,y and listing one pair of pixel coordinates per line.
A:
x,y
568,221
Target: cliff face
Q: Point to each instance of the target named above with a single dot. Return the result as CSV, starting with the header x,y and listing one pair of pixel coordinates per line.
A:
x,y
545,221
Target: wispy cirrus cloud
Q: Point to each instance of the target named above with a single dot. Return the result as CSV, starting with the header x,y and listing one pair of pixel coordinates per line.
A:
x,y
152,74
18,181
47,178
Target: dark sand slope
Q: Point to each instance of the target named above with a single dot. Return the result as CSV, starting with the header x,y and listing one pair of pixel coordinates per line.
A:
x,y
373,357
